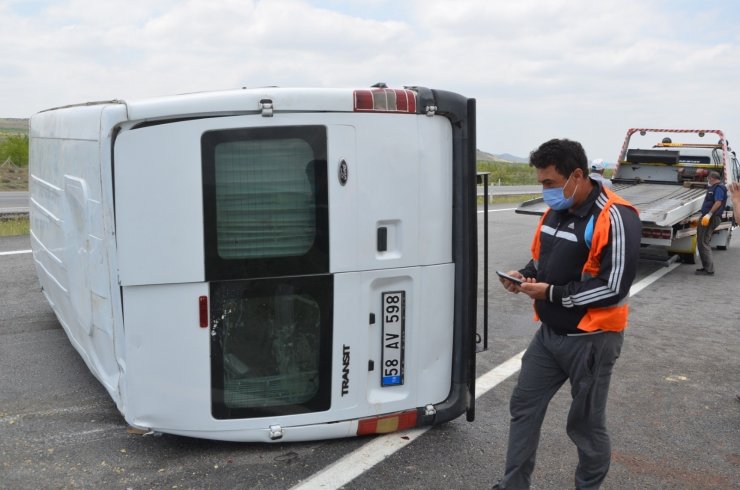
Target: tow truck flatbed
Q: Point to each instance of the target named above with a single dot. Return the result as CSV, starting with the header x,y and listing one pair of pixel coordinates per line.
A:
x,y
667,182
660,204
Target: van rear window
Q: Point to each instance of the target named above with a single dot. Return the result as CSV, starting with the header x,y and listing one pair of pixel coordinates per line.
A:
x,y
271,346
265,202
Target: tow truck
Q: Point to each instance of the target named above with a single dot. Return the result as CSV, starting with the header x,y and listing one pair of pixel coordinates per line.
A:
x,y
665,176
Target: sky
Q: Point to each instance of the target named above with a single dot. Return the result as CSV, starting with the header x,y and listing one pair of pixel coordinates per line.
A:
x,y
539,69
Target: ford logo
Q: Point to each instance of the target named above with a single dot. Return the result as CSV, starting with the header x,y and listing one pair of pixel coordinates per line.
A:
x,y
343,172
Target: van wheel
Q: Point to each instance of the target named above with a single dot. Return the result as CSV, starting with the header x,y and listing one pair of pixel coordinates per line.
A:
x,y
721,247
688,258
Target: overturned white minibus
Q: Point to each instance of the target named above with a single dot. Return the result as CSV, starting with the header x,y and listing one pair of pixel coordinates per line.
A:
x,y
265,264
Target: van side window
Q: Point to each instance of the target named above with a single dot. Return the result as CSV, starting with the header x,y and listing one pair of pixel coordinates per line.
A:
x,y
265,202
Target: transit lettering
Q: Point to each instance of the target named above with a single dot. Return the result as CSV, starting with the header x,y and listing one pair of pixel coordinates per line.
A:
x,y
345,370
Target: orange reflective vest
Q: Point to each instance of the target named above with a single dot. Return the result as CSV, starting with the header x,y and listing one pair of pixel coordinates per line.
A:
x,y
612,318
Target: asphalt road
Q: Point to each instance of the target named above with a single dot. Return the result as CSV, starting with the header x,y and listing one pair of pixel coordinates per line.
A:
x,y
673,409
14,200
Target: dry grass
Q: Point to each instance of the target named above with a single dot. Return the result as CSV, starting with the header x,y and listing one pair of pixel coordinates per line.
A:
x,y
13,178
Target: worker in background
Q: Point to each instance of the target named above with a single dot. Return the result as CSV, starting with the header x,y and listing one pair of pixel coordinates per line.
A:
x,y
597,173
584,259
711,211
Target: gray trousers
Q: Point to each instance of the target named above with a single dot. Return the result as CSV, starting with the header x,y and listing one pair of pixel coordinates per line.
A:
x,y
703,237
550,360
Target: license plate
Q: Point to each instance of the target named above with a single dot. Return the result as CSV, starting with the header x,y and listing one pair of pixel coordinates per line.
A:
x,y
394,318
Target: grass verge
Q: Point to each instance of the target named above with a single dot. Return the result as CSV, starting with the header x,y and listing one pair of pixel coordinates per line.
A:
x,y
14,225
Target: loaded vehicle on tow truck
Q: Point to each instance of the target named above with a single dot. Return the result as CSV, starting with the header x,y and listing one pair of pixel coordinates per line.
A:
x,y
666,179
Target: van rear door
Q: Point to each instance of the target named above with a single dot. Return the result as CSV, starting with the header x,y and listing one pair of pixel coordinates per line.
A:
x,y
330,250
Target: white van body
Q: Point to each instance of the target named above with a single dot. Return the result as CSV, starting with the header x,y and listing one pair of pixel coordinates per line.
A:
x,y
264,264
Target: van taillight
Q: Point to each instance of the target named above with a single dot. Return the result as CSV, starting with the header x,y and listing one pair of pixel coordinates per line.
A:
x,y
385,100
387,423
203,309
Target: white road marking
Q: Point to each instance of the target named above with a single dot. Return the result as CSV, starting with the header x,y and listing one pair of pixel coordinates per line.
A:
x,y
485,383
494,210
648,280
354,464
346,469
16,252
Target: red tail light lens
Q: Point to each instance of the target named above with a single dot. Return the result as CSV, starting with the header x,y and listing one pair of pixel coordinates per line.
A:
x,y
387,423
203,309
385,100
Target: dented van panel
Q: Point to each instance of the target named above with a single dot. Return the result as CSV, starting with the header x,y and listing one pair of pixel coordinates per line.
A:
x,y
268,264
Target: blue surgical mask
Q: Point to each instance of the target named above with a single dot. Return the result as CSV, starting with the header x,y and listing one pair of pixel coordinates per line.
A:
x,y
555,198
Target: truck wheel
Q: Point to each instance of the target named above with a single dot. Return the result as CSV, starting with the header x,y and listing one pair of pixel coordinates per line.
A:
x,y
688,258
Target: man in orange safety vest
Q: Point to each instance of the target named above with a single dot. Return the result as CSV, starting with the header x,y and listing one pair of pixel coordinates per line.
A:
x,y
584,259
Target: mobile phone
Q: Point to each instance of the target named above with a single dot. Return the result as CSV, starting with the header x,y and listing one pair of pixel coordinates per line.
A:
x,y
513,279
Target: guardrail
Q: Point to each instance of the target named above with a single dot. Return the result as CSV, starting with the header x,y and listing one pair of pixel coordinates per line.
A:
x,y
506,191
8,213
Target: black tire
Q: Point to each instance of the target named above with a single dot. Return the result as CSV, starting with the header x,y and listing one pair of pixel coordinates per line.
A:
x,y
688,258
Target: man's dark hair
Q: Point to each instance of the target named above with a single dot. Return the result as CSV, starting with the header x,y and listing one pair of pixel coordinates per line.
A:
x,y
565,154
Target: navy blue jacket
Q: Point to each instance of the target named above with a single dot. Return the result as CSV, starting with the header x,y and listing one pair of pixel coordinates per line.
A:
x,y
565,239
717,192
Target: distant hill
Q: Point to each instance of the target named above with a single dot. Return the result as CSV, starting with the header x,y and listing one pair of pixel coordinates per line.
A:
x,y
513,158
483,156
14,125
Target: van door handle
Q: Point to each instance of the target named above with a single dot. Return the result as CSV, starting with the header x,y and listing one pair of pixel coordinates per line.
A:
x,y
382,239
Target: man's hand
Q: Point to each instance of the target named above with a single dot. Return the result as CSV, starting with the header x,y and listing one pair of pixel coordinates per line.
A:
x,y
510,286
706,219
535,290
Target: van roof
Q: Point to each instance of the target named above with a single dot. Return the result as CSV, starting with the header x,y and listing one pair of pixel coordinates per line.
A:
x,y
84,120
241,101
249,100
